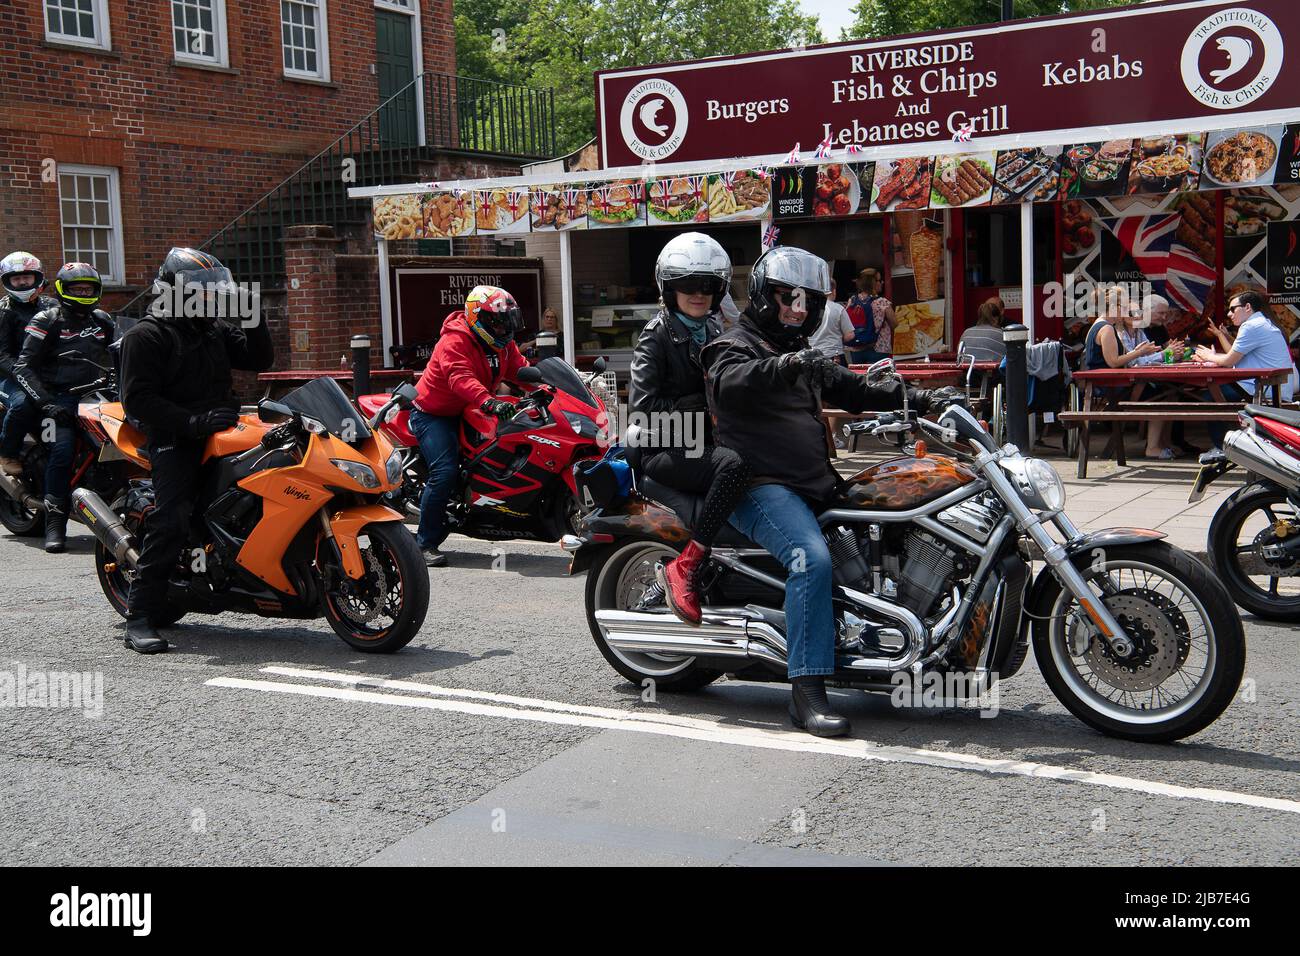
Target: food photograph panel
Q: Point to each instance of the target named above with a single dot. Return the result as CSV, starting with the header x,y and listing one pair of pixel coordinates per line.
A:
x,y
1241,157
1165,164
1028,174
617,203
448,213
675,200
498,211
398,217
1097,169
965,179
559,207
902,184
739,195
840,189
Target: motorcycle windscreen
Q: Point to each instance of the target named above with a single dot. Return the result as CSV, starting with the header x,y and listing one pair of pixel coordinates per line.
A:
x,y
560,374
323,400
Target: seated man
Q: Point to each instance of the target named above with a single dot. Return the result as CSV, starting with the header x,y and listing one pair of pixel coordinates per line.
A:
x,y
21,282
763,383
474,355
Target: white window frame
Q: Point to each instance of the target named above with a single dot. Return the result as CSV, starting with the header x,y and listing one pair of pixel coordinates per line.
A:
x,y
220,48
103,35
117,260
322,49
397,6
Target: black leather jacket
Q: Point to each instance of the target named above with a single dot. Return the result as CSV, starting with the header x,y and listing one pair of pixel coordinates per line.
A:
x,y
666,368
63,350
15,316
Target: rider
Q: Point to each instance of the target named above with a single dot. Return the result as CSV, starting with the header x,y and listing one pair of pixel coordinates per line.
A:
x,y
21,283
65,347
667,382
763,392
474,355
176,384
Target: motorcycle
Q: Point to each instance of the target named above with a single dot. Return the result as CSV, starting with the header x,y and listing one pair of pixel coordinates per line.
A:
x,y
289,521
932,581
516,477
96,464
1254,539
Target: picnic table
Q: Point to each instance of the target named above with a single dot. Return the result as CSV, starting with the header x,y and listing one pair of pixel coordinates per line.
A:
x,y
279,383
1111,395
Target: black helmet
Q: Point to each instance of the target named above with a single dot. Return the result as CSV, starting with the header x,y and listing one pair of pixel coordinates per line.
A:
x,y
787,271
186,266
74,273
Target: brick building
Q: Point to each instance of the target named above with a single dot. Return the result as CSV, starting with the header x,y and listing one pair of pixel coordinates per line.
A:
x,y
134,125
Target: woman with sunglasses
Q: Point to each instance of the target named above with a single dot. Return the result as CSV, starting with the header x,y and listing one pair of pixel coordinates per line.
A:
x,y
674,445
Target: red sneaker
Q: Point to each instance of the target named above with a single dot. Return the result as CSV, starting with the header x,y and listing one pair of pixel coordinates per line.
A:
x,y
678,578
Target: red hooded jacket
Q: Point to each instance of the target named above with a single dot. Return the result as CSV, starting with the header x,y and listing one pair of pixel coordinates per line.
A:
x,y
459,375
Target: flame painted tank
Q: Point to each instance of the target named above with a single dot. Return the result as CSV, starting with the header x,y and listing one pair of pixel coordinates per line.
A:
x,y
902,483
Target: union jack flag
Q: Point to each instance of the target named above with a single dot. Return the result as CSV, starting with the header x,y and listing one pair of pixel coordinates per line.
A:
x,y
853,149
794,156
770,235
824,148
1174,270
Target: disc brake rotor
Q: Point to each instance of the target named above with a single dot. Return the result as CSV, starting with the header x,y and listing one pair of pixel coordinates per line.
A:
x,y
1271,538
1160,636
351,599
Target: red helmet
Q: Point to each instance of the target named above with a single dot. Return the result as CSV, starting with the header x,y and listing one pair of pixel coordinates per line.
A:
x,y
493,314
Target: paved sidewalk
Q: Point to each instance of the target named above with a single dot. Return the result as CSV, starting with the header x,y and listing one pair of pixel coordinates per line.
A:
x,y
1142,495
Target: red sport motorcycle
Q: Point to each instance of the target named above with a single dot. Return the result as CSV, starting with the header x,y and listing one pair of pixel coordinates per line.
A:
x,y
516,476
1254,539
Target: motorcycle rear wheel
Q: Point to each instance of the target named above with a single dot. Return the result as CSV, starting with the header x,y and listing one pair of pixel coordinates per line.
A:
x,y
1179,617
116,583
1235,561
350,607
19,520
614,582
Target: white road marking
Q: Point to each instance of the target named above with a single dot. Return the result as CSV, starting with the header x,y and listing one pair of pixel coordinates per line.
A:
x,y
690,728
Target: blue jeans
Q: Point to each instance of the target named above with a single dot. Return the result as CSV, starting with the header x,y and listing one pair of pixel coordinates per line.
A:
x,y
781,521
17,418
58,468
1232,392
439,439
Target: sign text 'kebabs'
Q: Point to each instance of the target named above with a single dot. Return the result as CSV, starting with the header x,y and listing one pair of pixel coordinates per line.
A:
x,y
1057,79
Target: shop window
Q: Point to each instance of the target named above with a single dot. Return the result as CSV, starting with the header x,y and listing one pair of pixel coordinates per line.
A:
x,y
303,39
199,31
91,219
993,246
77,21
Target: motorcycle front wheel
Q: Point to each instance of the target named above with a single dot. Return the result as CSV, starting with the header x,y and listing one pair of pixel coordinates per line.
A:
x,y
1189,648
1249,521
381,612
624,580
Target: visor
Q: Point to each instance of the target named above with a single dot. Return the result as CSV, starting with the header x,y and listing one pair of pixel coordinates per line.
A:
x,y
220,279
788,266
697,285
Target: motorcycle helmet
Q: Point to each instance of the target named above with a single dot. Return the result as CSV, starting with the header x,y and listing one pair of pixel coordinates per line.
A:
x,y
187,266
690,263
779,276
21,263
77,273
493,314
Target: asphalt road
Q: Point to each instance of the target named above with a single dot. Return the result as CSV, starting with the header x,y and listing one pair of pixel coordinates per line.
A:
x,y
507,738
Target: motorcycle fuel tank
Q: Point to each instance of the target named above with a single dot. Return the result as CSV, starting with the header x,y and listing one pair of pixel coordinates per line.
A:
x,y
902,483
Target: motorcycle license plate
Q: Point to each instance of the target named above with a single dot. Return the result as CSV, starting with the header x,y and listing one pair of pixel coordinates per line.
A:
x,y
1205,477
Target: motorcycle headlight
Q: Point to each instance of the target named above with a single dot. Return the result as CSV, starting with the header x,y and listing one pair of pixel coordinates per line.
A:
x,y
1037,481
394,468
363,475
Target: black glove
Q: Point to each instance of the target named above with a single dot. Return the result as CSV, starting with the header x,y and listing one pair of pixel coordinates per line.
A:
x,y
212,421
926,400
61,415
504,411
692,403
807,362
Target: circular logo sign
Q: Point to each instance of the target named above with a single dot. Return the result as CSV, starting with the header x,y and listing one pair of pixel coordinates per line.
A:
x,y
653,119
1232,58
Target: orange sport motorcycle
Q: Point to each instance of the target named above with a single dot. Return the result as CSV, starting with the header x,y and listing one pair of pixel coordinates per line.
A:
x,y
288,523
933,588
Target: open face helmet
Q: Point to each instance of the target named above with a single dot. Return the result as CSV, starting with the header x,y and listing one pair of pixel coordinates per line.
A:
x,y
792,277
493,314
21,263
692,263
74,274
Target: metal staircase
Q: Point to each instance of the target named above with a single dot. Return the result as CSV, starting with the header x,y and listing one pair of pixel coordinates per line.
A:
x,y
462,116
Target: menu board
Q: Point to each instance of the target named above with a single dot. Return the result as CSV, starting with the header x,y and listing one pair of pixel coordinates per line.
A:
x,y
674,200
1284,262
1243,157
965,179
794,190
498,211
740,195
617,203
1288,163
901,184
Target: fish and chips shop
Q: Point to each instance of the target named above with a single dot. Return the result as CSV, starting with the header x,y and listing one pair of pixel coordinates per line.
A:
x,y
1157,145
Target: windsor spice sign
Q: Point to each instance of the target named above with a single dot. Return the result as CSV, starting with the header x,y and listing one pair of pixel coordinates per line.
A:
x,y
1057,79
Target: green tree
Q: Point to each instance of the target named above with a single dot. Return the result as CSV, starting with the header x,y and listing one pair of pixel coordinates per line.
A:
x,y
883,18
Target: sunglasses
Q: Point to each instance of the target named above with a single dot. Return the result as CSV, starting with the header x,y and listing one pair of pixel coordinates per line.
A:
x,y
697,285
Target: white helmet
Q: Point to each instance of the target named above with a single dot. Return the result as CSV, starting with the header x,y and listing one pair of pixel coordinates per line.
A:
x,y
17,263
692,256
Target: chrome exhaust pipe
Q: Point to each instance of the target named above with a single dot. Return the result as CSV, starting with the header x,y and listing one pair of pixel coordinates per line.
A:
x,y
106,526
16,490
1262,458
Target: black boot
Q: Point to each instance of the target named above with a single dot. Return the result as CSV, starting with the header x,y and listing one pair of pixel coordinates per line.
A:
x,y
142,638
811,711
56,525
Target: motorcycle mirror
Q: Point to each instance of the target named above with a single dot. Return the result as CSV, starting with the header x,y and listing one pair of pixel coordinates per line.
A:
x,y
269,411
878,369
405,394
599,365
529,375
